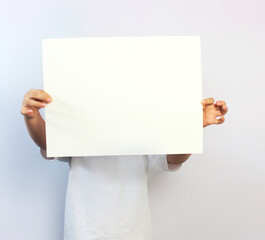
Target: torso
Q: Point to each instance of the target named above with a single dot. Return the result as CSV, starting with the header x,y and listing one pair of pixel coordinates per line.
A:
x,y
107,198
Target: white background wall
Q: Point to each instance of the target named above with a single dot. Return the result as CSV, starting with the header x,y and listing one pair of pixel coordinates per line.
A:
x,y
219,194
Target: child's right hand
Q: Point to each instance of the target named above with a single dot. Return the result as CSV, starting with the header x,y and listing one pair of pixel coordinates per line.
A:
x,y
33,100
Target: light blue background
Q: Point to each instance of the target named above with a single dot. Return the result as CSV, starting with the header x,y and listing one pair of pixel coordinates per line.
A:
x,y
216,195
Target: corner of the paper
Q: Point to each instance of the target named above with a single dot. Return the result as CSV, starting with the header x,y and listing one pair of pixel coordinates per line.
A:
x,y
48,154
43,41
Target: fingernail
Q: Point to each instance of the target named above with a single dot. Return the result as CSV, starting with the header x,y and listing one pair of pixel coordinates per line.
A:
x,y
43,104
49,99
29,110
203,101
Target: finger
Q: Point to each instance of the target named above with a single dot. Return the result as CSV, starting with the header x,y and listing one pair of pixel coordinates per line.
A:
x,y
218,113
224,110
222,105
26,110
33,103
220,120
207,101
40,95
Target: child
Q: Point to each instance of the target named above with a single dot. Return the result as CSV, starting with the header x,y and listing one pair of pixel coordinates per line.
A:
x,y
107,196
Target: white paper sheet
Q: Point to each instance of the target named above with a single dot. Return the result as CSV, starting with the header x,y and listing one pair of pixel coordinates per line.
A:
x,y
123,95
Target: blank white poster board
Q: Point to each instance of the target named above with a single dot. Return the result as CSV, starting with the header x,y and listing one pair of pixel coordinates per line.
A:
x,y
123,95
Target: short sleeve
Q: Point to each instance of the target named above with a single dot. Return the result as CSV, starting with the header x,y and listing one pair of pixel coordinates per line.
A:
x,y
157,163
44,155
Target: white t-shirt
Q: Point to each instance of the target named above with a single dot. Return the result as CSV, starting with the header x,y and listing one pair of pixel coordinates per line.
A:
x,y
107,196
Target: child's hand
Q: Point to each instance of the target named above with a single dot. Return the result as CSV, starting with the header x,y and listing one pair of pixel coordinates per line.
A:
x,y
212,110
33,100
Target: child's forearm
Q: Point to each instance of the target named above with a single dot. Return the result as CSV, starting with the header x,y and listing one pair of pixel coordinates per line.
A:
x,y
36,129
177,158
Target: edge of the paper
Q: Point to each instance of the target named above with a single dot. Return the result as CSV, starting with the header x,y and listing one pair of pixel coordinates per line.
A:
x,y
121,36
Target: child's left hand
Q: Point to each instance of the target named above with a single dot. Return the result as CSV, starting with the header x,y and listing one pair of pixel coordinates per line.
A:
x,y
212,110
